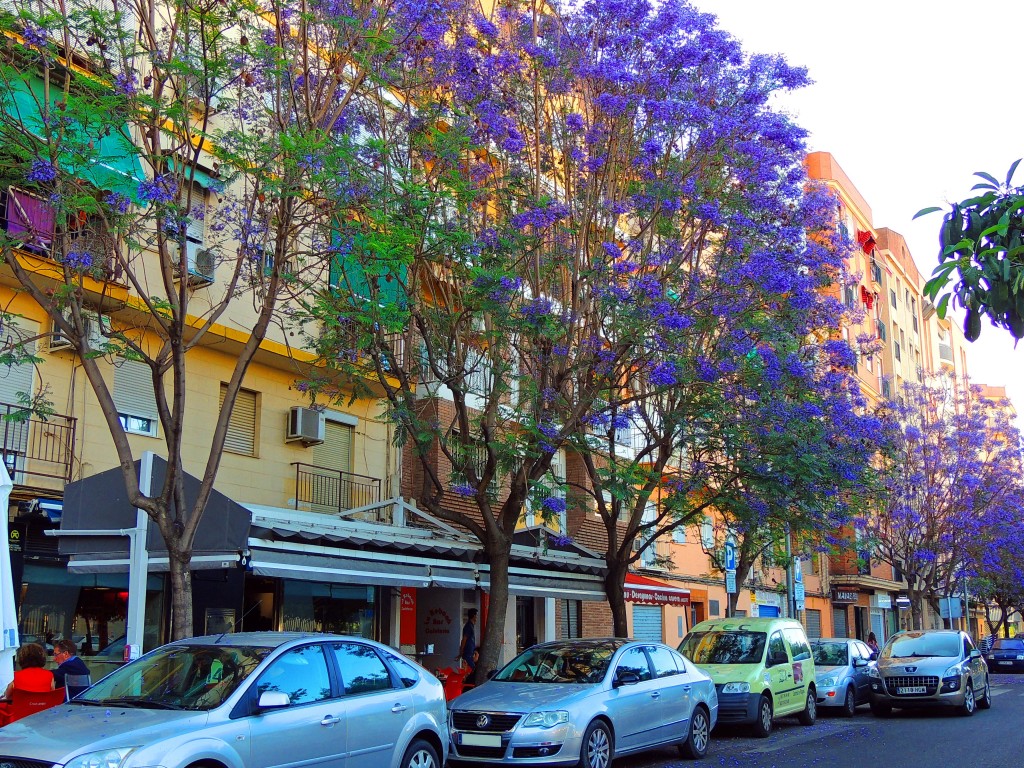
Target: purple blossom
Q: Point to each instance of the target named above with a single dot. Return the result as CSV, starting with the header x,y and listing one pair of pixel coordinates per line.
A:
x,y
161,189
664,374
117,202
464,490
560,540
574,122
554,504
35,36
78,261
41,171
126,83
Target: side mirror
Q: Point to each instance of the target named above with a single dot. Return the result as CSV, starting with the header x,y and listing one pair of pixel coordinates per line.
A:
x,y
873,656
626,678
273,700
859,662
975,653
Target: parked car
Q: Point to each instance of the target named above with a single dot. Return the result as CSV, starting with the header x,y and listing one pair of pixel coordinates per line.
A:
x,y
930,668
841,673
584,702
1006,655
247,700
762,669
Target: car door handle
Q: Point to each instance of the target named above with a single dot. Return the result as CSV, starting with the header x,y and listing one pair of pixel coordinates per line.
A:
x,y
330,720
655,694
398,708
686,688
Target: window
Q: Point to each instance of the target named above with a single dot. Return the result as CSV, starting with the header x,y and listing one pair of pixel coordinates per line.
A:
x,y
896,350
570,620
361,669
634,661
798,643
892,297
714,608
241,436
301,673
649,556
849,296
707,534
134,397
679,535
776,646
31,219
464,456
406,672
664,663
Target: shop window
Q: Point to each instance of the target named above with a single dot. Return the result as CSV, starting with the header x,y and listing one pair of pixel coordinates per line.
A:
x,y
571,620
241,436
333,608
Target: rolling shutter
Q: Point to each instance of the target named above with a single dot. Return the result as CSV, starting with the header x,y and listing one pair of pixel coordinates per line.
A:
x,y
241,436
839,622
335,452
133,390
813,623
16,379
647,623
332,492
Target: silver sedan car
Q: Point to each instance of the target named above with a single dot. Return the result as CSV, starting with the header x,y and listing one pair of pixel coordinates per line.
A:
x,y
247,700
585,702
842,673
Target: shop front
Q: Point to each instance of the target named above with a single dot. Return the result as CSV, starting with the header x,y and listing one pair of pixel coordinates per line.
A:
x,y
656,610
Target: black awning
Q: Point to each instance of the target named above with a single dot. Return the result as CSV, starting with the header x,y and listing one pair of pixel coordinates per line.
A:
x,y
100,502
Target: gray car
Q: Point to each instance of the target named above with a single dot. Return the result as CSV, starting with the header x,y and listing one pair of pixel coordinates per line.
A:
x,y
247,700
584,702
930,668
842,667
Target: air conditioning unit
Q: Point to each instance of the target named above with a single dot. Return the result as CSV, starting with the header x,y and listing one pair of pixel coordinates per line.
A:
x,y
202,264
94,328
306,426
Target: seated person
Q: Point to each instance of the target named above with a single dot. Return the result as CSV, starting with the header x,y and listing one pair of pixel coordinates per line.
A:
x,y
31,677
65,653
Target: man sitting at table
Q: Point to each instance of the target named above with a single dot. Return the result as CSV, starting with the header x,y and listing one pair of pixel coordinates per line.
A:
x,y
65,653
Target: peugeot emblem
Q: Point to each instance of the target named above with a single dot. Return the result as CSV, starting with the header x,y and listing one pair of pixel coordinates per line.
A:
x,y
911,669
483,721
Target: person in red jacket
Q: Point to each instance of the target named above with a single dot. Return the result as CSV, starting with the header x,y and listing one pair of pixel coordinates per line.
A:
x,y
31,677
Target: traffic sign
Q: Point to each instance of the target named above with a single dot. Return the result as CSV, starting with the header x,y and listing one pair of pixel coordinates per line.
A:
x,y
730,582
730,556
798,571
799,591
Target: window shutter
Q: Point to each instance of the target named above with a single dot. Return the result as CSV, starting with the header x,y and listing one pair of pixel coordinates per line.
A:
x,y
133,390
335,452
241,436
17,378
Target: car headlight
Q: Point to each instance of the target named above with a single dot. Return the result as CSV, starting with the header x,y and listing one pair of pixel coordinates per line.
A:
x,y
545,719
105,758
826,682
873,672
953,671
736,688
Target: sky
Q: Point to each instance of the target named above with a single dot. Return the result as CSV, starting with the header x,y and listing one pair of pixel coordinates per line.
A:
x,y
911,97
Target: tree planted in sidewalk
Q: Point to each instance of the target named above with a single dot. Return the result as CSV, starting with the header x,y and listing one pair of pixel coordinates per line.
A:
x,y
168,164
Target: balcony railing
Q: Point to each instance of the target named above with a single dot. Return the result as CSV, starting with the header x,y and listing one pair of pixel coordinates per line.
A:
x,y
358,353
36,447
331,491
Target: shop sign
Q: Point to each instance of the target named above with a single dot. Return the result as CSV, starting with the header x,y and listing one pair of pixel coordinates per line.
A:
x,y
881,600
902,601
407,617
845,596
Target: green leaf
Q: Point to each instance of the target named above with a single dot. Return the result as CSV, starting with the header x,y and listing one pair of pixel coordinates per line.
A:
x,y
943,306
984,186
926,211
987,177
1013,169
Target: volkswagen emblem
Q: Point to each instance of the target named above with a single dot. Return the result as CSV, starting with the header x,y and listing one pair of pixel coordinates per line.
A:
x,y
911,669
483,721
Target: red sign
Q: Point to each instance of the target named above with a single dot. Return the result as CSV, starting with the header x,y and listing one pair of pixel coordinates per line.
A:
x,y
639,589
407,617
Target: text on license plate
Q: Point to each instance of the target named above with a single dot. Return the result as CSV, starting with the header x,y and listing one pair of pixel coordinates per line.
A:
x,y
1006,662
912,689
480,739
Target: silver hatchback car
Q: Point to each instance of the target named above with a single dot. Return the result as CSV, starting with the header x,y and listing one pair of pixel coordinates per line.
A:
x,y
585,702
247,700
930,668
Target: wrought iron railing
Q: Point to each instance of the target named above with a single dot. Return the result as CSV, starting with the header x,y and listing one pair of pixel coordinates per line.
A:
x,y
321,489
36,446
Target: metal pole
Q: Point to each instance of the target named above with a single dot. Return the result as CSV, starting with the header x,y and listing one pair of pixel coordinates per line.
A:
x,y
949,607
790,591
138,567
967,607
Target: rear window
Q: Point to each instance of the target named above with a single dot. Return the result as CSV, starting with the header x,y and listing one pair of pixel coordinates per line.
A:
x,y
831,654
724,647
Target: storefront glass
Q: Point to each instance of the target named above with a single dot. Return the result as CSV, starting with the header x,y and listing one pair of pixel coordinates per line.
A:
x,y
336,608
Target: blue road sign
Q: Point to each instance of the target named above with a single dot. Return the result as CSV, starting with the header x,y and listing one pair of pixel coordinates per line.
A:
x,y
730,556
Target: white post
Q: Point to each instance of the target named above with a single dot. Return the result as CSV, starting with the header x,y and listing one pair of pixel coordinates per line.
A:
x,y
549,619
138,566
9,640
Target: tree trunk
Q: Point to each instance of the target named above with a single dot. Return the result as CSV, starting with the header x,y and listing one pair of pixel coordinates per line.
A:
x,y
614,587
181,592
916,609
498,549
731,599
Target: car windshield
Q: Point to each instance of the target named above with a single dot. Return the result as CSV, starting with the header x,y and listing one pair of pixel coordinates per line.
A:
x,y
831,654
194,677
570,663
1008,644
724,647
915,644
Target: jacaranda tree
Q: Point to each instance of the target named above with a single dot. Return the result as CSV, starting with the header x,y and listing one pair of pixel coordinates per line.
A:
x,y
951,473
173,160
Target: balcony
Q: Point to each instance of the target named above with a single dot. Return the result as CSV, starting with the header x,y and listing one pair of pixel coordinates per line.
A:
x,y
332,491
364,354
37,450
946,353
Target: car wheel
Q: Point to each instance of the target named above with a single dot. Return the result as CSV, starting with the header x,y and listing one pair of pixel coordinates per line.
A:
x,y
985,702
696,745
420,754
810,713
850,703
765,714
597,746
969,705
878,709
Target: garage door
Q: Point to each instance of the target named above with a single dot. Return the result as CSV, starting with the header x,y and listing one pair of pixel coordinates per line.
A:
x,y
647,623
839,621
768,611
813,620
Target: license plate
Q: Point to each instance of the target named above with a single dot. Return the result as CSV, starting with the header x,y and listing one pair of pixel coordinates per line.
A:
x,y
480,739
1007,663
912,689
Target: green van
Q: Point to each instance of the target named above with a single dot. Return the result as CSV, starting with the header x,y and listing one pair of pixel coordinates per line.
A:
x,y
762,668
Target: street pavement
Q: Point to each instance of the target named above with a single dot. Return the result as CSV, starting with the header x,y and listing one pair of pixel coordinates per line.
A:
x,y
992,738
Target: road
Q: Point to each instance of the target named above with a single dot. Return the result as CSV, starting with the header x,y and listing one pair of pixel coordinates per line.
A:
x,y
909,739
